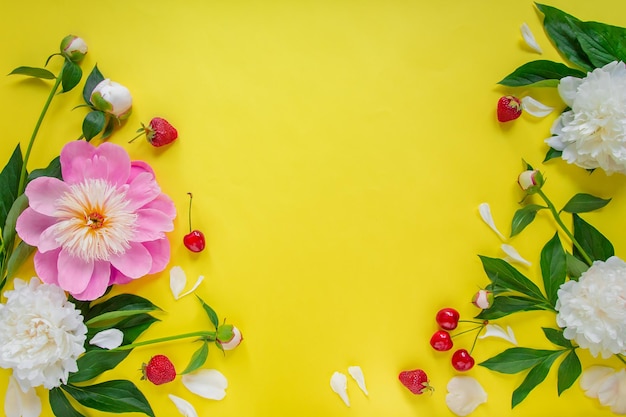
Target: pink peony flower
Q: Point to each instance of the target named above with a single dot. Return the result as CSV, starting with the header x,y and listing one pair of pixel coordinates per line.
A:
x,y
104,224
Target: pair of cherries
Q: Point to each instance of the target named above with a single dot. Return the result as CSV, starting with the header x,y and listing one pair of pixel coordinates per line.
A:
x,y
441,340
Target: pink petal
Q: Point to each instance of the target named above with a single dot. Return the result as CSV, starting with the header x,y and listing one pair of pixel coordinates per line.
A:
x,y
118,278
74,273
81,160
135,262
47,240
142,190
46,266
43,192
139,167
73,157
160,252
162,203
151,224
30,225
98,282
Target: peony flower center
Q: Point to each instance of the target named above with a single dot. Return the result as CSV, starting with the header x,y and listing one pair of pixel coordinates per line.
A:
x,y
95,221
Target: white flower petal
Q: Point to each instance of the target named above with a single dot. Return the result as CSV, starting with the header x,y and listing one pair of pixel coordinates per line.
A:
x,y
535,108
357,373
485,213
592,379
108,339
339,384
529,38
619,406
613,391
513,255
494,330
184,407
207,383
21,404
178,280
464,394
198,282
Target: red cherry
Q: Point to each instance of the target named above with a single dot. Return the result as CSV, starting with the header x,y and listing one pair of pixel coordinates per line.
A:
x,y
194,240
441,341
448,318
462,360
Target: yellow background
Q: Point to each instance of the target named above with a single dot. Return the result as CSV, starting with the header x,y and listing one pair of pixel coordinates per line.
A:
x,y
337,152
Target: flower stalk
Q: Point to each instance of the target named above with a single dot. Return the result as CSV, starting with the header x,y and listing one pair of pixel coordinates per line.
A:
x,y
205,335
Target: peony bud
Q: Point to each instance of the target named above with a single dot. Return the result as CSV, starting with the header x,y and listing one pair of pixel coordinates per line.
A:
x,y
74,48
483,299
530,181
229,336
113,98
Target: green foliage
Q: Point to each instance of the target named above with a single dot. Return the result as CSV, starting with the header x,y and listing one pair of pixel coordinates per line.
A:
x,y
33,72
117,396
583,203
541,73
71,75
592,241
198,358
93,79
553,268
93,123
523,217
210,312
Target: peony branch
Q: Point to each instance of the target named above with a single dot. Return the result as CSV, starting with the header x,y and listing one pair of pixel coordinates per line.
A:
x,y
206,335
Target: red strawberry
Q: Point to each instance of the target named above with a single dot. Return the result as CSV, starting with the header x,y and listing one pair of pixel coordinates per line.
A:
x,y
416,381
159,370
159,132
509,108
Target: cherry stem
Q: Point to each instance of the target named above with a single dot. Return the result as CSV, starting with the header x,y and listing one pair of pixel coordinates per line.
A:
x,y
468,331
189,215
476,337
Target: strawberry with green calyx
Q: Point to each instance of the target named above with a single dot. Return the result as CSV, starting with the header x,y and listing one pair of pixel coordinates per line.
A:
x,y
509,108
159,370
416,381
159,132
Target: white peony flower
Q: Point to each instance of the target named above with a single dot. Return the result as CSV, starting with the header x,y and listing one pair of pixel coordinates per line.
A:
x,y
41,334
592,310
112,97
593,133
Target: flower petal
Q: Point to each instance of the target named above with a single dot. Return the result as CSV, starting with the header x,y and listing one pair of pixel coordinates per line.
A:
x,y
613,390
529,38
485,213
160,251
535,108
30,225
592,379
21,404
108,339
97,284
46,266
357,373
207,383
494,330
513,255
178,281
75,273
339,384
142,190
464,394
43,192
198,282
151,225
184,407
135,262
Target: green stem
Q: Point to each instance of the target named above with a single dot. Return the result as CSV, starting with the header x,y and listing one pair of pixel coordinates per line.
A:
x,y
569,234
189,214
202,334
621,358
55,87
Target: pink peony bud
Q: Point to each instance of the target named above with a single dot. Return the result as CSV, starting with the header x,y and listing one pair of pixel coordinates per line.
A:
x,y
530,181
483,299
73,48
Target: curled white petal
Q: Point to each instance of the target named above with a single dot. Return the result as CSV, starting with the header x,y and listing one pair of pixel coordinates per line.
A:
x,y
178,282
207,383
535,108
464,394
612,392
339,384
198,282
494,330
592,379
184,407
108,339
357,373
485,213
19,403
513,255
529,38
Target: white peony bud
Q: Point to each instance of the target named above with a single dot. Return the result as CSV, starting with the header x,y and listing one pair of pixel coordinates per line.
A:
x,y
73,48
113,98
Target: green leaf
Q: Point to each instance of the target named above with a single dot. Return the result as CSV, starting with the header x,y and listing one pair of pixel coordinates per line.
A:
x,y
551,154
33,72
563,29
121,305
541,73
523,217
8,232
95,362
602,43
518,359
113,316
534,378
503,305
93,79
52,170
553,267
569,371
583,203
118,396
93,124
20,254
592,241
556,336
132,327
71,75
210,312
502,274
198,359
110,127
575,267
9,183
60,405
